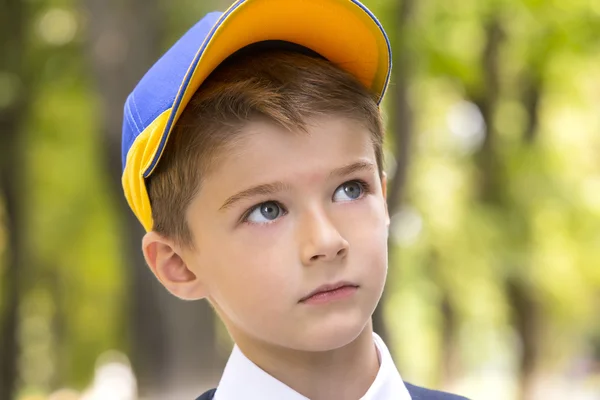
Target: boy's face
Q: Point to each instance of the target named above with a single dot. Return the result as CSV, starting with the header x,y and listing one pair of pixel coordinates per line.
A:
x,y
283,214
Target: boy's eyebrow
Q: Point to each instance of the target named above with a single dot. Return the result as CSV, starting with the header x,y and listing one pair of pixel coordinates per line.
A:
x,y
274,187
352,168
266,189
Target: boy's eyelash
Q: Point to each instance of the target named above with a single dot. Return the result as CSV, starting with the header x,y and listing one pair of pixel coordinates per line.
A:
x,y
364,185
244,217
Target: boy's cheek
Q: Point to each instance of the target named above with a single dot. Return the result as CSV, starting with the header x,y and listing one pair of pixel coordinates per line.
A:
x,y
368,237
368,222
253,268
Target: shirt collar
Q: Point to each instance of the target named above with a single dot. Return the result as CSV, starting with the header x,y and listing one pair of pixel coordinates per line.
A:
x,y
242,379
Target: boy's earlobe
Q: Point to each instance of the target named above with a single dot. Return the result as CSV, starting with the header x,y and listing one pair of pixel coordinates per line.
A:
x,y
167,264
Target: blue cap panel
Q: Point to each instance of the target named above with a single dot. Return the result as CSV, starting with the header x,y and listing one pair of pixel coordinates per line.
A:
x,y
156,91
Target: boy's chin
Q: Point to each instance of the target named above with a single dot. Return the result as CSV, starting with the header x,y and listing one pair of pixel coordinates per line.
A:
x,y
327,337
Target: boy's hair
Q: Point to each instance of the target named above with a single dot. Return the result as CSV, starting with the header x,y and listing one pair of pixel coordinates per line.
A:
x,y
285,87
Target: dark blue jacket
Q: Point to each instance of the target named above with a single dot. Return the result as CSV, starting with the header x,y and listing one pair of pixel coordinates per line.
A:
x,y
417,393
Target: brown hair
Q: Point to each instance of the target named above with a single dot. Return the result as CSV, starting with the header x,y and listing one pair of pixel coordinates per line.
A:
x,y
286,87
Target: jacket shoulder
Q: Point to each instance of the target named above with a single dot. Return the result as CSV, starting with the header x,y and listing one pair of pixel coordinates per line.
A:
x,y
419,393
208,395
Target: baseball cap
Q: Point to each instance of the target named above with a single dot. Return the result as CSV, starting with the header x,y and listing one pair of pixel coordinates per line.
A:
x,y
344,32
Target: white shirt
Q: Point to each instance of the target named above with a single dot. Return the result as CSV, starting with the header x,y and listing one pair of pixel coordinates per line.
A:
x,y
242,379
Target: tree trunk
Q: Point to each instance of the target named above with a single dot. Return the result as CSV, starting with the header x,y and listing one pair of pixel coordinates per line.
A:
x,y
450,363
490,183
402,130
59,327
526,311
531,101
173,343
11,192
11,189
451,359
526,319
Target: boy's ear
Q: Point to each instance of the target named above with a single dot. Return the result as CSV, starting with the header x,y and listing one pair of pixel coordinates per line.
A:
x,y
384,192
166,262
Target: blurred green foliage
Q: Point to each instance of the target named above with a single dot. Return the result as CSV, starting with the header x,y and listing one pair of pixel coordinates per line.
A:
x,y
541,229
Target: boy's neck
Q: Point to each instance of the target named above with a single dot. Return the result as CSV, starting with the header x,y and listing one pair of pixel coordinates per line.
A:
x,y
345,373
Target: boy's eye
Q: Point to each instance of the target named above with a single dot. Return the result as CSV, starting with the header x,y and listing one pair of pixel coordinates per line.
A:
x,y
264,213
349,191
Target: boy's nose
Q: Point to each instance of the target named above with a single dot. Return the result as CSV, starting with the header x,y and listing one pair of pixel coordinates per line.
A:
x,y
320,240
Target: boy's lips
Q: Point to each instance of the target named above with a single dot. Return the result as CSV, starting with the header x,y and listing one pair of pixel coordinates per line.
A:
x,y
329,292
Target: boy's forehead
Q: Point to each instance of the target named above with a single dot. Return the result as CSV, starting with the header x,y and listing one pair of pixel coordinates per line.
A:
x,y
264,149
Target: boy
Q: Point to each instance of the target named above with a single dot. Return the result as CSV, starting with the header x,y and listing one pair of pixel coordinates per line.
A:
x,y
252,155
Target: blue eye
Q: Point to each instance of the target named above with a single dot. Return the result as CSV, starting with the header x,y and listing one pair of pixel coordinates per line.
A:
x,y
265,213
349,191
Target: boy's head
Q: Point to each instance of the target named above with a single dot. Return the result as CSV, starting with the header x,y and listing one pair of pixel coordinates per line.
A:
x,y
271,186
283,86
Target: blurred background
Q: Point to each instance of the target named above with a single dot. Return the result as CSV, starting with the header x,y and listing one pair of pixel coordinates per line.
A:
x,y
493,154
